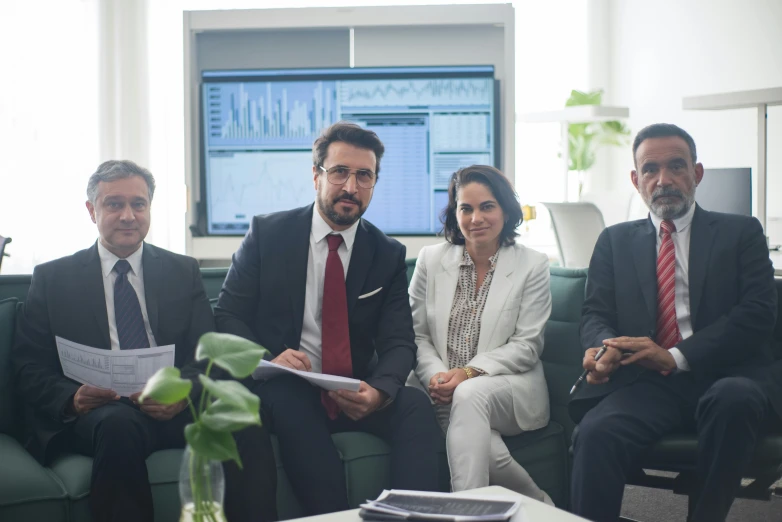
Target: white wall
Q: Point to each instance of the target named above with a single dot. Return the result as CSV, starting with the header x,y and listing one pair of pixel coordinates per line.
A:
x,y
664,50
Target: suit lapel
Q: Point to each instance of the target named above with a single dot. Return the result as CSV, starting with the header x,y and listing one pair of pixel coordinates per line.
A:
x,y
360,263
297,249
501,284
94,294
153,274
701,240
444,290
644,245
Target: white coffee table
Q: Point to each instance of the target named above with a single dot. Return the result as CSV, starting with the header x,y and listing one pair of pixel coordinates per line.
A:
x,y
531,510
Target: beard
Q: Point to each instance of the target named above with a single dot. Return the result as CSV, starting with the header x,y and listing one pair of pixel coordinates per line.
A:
x,y
673,209
328,208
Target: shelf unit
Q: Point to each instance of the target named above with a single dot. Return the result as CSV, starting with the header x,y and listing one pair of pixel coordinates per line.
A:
x,y
576,114
760,99
341,37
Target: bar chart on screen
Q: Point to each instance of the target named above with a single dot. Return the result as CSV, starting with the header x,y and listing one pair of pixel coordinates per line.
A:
x,y
243,114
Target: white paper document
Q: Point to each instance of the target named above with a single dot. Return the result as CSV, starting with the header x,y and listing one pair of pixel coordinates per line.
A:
x,y
267,370
124,371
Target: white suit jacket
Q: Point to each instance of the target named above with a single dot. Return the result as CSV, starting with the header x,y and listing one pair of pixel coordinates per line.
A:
x,y
514,316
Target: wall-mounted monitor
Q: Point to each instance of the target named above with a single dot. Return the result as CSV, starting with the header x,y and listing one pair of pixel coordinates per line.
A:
x,y
726,190
259,126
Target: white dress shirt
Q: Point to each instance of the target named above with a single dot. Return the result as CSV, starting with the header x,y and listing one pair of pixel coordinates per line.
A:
x,y
136,279
316,274
681,246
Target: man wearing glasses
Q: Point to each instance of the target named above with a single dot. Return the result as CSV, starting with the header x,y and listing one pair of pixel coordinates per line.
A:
x,y
325,291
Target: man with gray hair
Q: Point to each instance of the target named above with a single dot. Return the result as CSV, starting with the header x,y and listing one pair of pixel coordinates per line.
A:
x,y
123,293
681,308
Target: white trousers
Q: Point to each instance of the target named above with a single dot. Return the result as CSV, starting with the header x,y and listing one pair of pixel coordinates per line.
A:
x,y
480,413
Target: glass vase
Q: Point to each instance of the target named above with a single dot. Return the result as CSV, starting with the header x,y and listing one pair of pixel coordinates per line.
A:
x,y
201,488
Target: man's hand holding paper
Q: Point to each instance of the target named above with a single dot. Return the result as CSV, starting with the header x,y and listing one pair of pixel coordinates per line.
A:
x,y
357,405
87,398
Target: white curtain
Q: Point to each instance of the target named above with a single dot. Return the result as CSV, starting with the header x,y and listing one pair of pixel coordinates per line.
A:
x,y
49,128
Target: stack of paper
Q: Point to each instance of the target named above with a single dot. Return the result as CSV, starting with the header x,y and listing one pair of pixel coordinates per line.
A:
x,y
419,505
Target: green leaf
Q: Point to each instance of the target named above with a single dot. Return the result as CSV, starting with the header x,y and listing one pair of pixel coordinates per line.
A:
x,y
223,416
233,353
166,386
584,98
212,444
615,128
232,393
584,139
581,151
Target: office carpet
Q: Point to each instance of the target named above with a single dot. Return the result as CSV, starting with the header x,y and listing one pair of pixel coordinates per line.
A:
x,y
657,505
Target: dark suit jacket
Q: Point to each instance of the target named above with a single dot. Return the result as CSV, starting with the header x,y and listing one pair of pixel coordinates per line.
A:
x,y
66,299
263,296
733,301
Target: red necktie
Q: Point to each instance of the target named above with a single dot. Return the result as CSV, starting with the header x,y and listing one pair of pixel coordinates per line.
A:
x,y
335,335
667,328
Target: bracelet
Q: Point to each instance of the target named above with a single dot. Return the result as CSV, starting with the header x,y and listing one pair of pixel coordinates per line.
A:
x,y
469,371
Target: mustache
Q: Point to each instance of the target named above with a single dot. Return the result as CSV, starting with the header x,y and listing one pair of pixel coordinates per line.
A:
x,y
666,191
347,197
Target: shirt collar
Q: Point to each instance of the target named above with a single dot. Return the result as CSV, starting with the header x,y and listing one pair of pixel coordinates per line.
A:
x,y
108,260
321,229
681,223
467,260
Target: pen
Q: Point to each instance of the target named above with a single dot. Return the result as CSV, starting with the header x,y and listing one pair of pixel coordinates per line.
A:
x,y
598,355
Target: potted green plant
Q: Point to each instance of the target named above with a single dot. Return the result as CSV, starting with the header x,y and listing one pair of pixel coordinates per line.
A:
x,y
584,139
224,406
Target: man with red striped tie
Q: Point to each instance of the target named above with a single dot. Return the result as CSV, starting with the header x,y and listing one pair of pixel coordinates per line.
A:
x,y
685,303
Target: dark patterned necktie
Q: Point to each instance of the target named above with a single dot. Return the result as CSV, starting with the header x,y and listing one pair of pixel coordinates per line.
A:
x,y
335,334
127,311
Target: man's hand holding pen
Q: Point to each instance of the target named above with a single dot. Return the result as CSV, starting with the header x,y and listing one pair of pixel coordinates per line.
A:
x,y
600,370
641,350
600,362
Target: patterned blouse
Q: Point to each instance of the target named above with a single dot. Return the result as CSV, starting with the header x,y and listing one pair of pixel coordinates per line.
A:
x,y
464,325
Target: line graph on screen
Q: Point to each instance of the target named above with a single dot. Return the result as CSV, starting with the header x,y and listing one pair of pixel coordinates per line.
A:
x,y
250,183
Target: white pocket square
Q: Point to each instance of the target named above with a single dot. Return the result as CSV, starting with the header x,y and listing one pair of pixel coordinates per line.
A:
x,y
370,294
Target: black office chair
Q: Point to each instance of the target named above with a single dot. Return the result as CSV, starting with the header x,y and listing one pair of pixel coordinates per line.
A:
x,y
3,242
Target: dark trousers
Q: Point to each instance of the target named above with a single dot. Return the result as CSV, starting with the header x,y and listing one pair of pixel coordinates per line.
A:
x,y
613,436
120,437
293,411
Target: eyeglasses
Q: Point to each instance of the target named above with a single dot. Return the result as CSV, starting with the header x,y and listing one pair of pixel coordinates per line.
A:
x,y
339,175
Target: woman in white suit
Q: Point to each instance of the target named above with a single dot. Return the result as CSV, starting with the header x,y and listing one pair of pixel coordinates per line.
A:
x,y
480,302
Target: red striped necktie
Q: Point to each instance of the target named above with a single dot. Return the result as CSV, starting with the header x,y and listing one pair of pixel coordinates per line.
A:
x,y
335,334
667,328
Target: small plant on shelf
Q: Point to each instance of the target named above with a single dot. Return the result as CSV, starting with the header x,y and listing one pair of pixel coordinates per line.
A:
x,y
584,139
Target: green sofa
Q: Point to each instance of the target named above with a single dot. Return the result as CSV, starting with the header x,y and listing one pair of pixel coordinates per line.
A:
x,y
29,491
